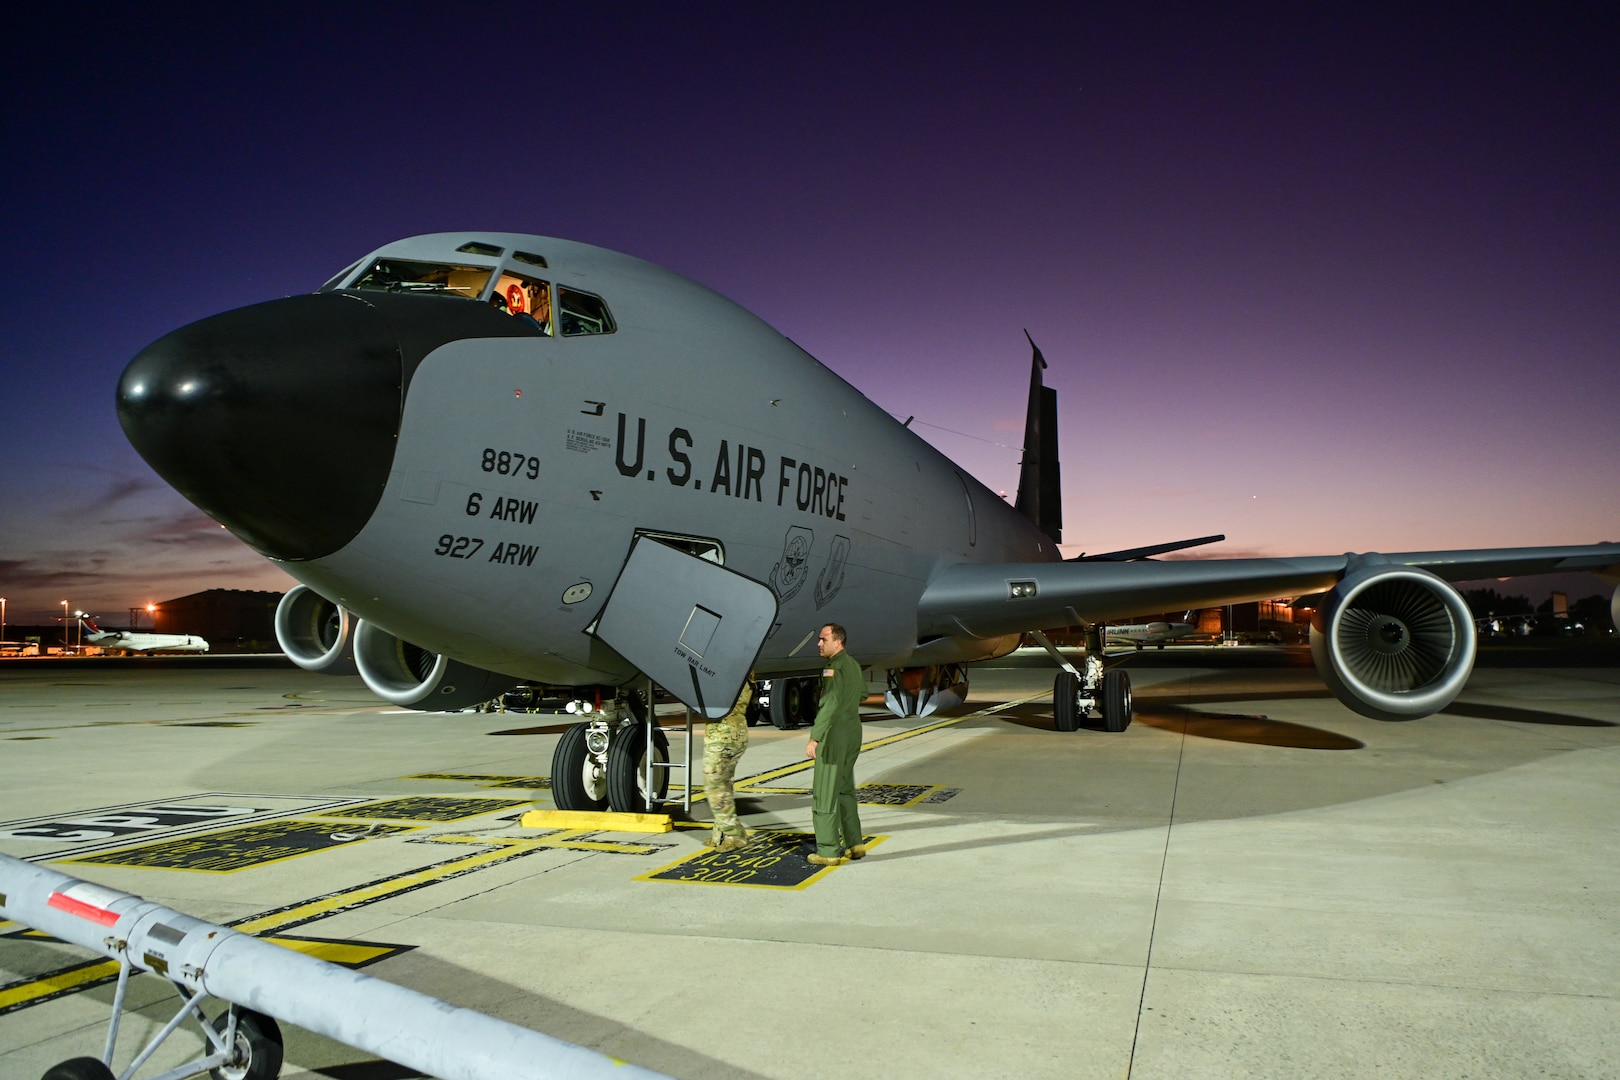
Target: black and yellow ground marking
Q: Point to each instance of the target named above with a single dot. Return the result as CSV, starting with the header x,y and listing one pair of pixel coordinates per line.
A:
x,y
759,781
119,826
484,780
770,860
24,993
241,848
492,851
424,808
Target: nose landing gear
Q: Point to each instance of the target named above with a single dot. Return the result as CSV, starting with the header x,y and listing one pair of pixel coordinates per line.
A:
x,y
601,763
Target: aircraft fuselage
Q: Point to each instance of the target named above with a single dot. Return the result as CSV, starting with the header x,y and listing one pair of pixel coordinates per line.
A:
x,y
524,463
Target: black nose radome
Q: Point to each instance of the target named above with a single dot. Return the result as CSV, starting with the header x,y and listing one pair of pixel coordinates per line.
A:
x,y
277,420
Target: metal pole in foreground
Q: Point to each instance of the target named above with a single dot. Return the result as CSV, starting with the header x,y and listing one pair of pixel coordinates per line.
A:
x,y
403,1026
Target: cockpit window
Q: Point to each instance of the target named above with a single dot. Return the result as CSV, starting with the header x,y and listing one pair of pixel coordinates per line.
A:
x,y
524,298
403,275
332,283
583,313
474,247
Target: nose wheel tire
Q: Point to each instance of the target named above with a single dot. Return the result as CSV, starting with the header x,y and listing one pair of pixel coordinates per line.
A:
x,y
627,769
578,781
1117,708
1066,701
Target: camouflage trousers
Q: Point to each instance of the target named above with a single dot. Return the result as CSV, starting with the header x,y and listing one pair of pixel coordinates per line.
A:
x,y
719,766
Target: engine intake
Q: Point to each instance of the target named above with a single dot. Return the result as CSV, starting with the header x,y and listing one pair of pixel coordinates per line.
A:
x,y
315,633
1393,643
411,676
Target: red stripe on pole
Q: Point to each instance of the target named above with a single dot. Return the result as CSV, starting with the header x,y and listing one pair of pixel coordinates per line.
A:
x,y
63,902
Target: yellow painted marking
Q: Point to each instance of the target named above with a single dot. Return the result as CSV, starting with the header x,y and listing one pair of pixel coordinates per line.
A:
x,y
497,849
347,953
423,808
351,954
56,983
809,763
244,847
746,868
567,838
596,821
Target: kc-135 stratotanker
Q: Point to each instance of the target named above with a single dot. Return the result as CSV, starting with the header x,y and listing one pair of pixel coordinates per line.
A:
x,y
493,458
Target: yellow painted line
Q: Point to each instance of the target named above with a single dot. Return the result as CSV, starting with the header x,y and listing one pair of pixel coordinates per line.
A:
x,y
566,839
207,846
56,982
596,821
497,849
347,953
899,736
502,850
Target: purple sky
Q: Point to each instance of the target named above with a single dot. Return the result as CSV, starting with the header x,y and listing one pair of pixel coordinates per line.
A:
x,y
1322,282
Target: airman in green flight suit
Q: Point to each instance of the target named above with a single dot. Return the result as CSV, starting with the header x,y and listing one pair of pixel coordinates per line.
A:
x,y
835,742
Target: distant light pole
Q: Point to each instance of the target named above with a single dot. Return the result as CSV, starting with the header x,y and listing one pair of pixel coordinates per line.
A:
x,y
2,618
151,615
66,641
78,630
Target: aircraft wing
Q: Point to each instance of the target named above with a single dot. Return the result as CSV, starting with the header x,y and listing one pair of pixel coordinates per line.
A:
x,y
990,599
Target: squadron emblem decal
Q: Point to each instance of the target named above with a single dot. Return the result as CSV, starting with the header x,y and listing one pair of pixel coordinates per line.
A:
x,y
792,570
831,578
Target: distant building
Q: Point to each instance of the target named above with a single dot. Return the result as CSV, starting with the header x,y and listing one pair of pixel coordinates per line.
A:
x,y
233,620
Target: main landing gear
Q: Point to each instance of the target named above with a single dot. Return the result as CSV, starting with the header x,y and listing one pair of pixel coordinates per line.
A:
x,y
601,763
1075,693
788,703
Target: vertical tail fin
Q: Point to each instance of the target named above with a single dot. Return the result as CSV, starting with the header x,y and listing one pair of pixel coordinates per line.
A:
x,y
1040,490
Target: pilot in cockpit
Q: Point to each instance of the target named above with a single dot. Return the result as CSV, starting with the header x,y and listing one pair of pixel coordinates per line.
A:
x,y
524,299
539,306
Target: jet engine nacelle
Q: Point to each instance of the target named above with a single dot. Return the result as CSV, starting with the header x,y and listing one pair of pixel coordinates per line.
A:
x,y
315,633
1393,642
412,677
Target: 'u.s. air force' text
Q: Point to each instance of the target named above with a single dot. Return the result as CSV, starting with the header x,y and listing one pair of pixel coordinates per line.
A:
x,y
738,471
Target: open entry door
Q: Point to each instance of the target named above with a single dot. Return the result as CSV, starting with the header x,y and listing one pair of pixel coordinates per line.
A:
x,y
693,627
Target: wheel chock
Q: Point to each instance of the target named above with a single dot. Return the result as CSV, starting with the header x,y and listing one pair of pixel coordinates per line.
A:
x,y
596,821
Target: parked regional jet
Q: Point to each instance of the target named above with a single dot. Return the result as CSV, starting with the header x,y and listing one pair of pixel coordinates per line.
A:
x,y
494,458
1155,633
132,642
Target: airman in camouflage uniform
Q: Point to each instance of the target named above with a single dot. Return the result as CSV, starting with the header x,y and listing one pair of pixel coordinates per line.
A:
x,y
724,742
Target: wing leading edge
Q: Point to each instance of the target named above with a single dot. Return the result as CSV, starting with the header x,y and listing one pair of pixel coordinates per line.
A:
x,y
987,600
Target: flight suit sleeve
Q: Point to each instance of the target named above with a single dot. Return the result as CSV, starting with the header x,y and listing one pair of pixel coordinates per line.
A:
x,y
828,706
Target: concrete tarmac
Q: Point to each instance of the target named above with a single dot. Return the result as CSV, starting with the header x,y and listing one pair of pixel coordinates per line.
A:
x,y
1252,881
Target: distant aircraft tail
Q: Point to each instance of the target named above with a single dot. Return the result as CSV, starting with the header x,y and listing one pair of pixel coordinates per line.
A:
x,y
90,624
1040,490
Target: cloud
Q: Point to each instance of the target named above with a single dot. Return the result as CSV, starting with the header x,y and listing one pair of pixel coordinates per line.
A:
x,y
120,487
